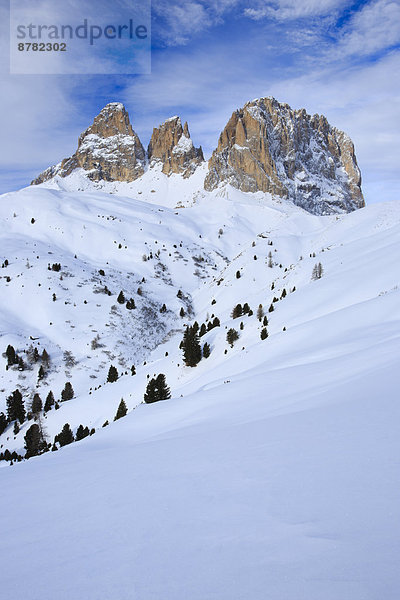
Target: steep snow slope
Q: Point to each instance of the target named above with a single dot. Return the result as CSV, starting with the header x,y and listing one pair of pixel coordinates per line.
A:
x,y
273,470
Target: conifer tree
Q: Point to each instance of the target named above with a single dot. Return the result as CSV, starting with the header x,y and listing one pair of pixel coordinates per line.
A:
x,y
37,406
317,271
41,373
68,392
157,390
3,423
121,298
231,336
34,441
112,374
203,330
121,410
246,308
11,355
133,370
81,433
49,401
65,437
150,393
130,305
191,347
237,311
15,407
264,333
265,321
260,312
45,358
206,350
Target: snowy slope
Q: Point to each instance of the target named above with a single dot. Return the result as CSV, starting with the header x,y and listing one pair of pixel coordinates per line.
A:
x,y
273,470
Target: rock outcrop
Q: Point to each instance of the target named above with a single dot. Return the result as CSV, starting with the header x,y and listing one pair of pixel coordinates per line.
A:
x,y
266,146
108,150
172,146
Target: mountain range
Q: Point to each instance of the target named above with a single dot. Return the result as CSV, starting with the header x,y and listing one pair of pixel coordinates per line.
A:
x,y
272,468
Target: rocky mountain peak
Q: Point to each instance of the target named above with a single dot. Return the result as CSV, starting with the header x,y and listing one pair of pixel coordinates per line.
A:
x,y
112,120
108,150
172,146
267,146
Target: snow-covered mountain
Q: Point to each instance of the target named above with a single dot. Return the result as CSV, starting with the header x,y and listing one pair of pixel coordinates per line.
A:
x,y
273,469
266,146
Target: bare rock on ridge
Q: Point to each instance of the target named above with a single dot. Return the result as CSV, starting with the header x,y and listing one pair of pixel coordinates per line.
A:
x,y
267,146
172,146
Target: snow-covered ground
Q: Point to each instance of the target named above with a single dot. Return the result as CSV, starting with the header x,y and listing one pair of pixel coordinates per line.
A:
x,y
273,471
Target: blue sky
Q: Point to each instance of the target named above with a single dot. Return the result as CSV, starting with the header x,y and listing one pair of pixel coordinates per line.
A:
x,y
335,57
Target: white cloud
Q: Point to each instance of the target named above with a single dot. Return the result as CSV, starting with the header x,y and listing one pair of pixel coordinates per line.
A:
x,y
375,27
293,9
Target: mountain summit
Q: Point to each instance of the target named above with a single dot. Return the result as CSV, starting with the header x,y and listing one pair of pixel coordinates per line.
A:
x,y
267,146
171,145
108,150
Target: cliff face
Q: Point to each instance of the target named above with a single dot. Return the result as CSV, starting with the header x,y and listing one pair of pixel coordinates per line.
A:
x,y
266,146
108,150
171,146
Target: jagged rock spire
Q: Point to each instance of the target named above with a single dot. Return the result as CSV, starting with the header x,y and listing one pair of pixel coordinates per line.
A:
x,y
172,146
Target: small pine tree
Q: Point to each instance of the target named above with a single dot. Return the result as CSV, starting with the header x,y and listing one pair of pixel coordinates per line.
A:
x,y
271,308
163,309
16,428
37,406
237,274
133,370
68,392
191,347
182,312
241,326
45,358
317,272
41,373
121,298
237,311
157,390
283,295
15,407
11,355
81,433
264,333
130,305
65,437
49,403
35,442
150,393
246,308
203,330
265,321
3,423
112,374
270,261
231,336
121,410
206,350
260,312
